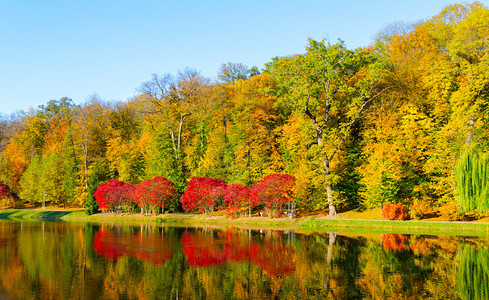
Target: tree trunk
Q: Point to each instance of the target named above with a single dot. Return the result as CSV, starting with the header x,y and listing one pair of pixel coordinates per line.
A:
x,y
329,189
224,126
332,207
319,139
85,162
468,139
172,135
248,166
202,137
180,128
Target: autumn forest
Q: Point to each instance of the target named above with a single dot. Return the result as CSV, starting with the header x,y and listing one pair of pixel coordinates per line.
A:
x,y
402,121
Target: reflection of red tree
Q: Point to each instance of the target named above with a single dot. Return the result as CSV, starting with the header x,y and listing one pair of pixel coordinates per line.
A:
x,y
149,248
275,259
394,242
108,245
202,250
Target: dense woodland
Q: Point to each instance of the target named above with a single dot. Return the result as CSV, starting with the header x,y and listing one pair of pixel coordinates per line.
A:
x,y
403,120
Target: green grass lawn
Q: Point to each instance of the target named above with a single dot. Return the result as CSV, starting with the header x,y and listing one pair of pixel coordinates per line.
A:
x,y
37,214
406,227
339,224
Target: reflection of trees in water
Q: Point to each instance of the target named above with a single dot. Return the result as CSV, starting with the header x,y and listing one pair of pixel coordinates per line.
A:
x,y
39,263
148,247
62,262
473,272
327,265
395,242
274,257
405,265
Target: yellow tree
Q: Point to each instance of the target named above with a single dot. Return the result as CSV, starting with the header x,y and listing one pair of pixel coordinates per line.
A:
x,y
219,155
252,132
458,84
90,136
123,153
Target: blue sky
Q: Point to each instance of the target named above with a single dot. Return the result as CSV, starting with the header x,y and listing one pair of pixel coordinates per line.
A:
x,y
52,49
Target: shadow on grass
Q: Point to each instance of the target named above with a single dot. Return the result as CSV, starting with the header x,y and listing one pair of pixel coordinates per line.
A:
x,y
30,214
5,214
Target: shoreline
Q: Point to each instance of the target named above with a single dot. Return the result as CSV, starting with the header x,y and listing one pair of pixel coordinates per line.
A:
x,y
303,224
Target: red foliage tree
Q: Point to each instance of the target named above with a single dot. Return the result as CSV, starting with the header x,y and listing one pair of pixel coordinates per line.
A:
x,y
153,193
101,194
200,194
274,191
217,194
122,197
237,199
4,191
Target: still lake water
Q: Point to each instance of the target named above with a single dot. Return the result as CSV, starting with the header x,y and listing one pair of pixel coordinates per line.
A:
x,y
57,260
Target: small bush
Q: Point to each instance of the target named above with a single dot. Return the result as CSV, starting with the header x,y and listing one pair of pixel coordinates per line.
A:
x,y
395,211
451,212
420,209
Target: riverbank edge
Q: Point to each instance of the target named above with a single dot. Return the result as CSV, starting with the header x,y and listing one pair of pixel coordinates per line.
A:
x,y
301,224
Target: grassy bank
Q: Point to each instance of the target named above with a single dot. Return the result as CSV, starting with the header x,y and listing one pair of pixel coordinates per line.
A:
x,y
38,214
403,227
303,224
167,218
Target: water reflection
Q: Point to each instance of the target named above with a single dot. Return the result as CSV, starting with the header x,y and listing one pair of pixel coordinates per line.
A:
x,y
84,261
272,255
144,245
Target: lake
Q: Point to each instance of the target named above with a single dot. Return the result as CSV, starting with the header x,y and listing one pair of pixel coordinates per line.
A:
x,y
60,260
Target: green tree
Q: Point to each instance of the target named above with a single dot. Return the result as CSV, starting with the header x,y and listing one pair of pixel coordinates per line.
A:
x,y
332,87
232,72
31,180
70,168
471,181
98,175
51,180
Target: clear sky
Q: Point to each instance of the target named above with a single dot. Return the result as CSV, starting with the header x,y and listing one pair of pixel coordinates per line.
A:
x,y
51,49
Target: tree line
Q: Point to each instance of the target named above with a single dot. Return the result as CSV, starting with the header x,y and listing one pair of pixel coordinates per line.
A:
x,y
398,121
